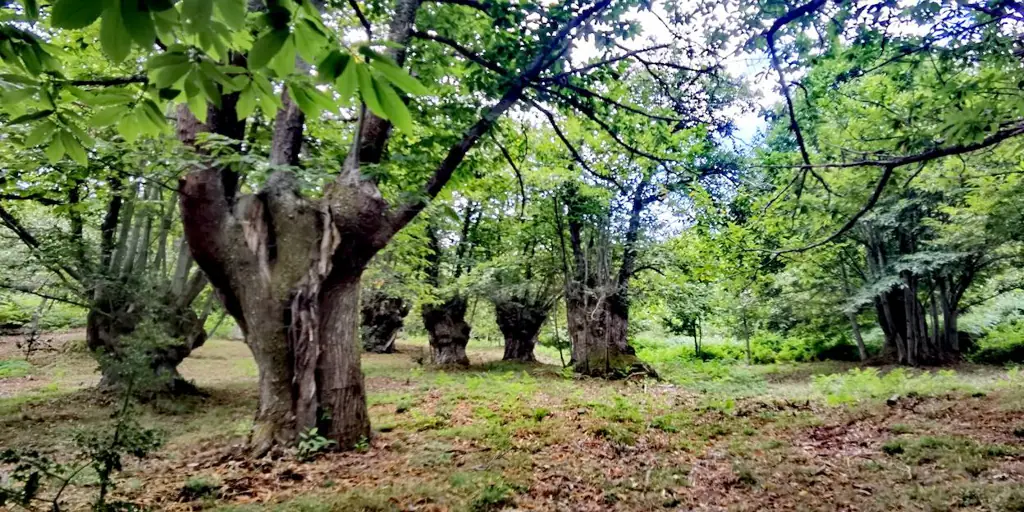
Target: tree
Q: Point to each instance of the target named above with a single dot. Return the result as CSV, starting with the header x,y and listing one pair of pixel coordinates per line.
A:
x,y
444,309
286,259
394,278
109,241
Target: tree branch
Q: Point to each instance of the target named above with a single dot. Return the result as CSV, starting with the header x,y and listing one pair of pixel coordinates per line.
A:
x,y
30,291
519,176
108,81
483,7
457,153
461,50
573,151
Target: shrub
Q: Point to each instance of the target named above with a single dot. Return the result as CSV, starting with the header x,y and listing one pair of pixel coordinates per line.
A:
x,y
1001,345
858,384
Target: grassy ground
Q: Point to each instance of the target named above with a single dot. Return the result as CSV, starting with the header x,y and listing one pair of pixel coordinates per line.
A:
x,y
710,436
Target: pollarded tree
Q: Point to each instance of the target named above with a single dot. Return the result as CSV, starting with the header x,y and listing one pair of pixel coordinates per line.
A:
x,y
605,230
106,240
521,271
393,280
452,244
287,263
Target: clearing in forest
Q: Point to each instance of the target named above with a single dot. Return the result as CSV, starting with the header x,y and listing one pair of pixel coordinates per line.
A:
x,y
711,436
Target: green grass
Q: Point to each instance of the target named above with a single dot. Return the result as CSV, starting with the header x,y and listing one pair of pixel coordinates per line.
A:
x,y
10,368
494,435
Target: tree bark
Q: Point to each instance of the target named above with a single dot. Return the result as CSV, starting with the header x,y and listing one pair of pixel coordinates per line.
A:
x,y
597,301
288,269
520,320
447,331
382,319
862,351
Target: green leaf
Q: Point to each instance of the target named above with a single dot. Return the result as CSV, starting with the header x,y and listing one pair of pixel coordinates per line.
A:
x,y
169,75
110,98
138,22
210,89
332,66
246,102
153,113
399,77
211,71
268,98
81,134
74,14
367,92
166,59
73,148
40,134
17,79
284,62
116,41
309,107
196,100
108,116
28,118
309,40
15,96
393,105
31,8
266,47
198,12
55,151
232,12
347,82
128,127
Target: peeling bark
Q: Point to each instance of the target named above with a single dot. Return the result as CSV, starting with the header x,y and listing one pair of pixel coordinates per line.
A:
x,y
288,269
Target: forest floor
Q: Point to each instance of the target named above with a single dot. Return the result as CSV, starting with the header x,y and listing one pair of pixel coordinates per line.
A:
x,y
710,436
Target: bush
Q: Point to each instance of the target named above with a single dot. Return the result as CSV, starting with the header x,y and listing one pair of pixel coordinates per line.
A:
x,y
769,347
858,384
12,315
1002,345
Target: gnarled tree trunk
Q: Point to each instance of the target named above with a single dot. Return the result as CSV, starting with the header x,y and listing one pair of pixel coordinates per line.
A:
x,y
520,320
597,300
288,269
447,331
133,288
382,319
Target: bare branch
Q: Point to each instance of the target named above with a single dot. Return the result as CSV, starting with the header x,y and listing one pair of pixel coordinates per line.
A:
x,y
362,19
30,291
37,197
461,50
480,6
573,151
608,129
519,175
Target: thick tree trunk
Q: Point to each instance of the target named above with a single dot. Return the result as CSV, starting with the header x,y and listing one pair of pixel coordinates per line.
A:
x,y
448,331
600,347
111,320
520,321
382,319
